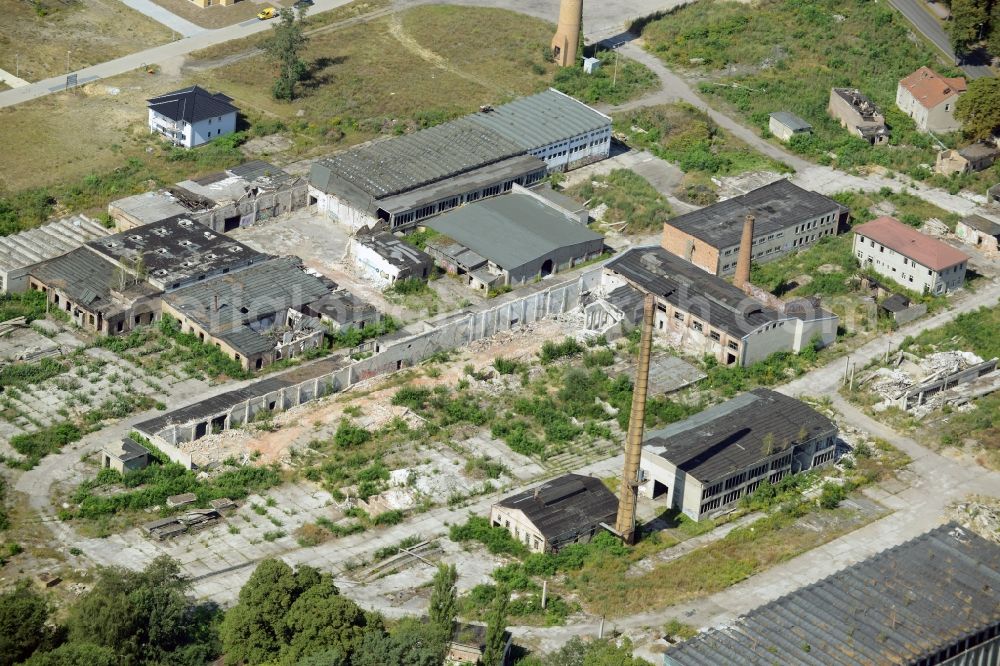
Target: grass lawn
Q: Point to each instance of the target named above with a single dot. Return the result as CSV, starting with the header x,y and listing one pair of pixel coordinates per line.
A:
x,y
682,134
633,205
607,84
603,586
46,34
784,55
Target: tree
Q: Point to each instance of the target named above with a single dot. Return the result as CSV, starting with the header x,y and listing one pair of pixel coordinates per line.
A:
x,y
967,19
144,616
993,36
23,613
75,654
577,652
443,606
322,620
283,47
411,643
979,108
496,628
254,629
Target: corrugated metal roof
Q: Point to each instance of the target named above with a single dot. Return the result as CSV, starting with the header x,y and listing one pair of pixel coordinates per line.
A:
x,y
727,438
79,274
902,605
399,164
47,241
512,230
684,285
227,305
569,504
777,206
543,119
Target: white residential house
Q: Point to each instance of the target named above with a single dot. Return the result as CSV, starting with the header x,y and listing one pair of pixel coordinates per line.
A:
x,y
192,116
900,252
929,99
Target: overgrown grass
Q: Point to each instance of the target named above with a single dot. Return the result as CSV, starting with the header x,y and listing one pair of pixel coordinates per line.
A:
x,y
971,331
777,368
19,375
28,304
196,356
631,80
151,486
685,135
36,445
787,55
631,201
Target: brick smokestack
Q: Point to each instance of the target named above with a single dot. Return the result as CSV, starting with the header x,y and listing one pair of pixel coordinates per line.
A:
x,y
567,37
742,278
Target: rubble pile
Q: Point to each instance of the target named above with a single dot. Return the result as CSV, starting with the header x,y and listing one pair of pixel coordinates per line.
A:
x,y
892,383
979,514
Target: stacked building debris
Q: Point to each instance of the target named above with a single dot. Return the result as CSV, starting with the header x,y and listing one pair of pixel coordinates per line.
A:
x,y
921,385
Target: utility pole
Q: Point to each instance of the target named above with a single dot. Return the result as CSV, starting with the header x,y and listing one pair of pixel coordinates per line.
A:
x,y
67,61
614,79
17,65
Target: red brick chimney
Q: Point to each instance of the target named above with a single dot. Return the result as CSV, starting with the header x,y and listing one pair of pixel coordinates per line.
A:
x,y
742,278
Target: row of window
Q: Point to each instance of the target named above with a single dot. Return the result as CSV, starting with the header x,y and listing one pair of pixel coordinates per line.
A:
x,y
491,191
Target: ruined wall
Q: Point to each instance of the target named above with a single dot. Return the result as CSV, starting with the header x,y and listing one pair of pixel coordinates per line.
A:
x,y
445,333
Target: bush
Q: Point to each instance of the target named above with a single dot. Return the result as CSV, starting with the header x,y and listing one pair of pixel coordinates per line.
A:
x,y
412,397
552,351
506,366
351,436
831,497
37,445
496,539
388,518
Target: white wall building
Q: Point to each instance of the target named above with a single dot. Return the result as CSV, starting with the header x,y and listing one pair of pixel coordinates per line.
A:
x,y
929,99
918,262
383,259
707,463
192,116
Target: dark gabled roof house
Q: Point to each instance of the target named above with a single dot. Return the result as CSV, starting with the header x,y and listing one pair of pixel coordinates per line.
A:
x,y
566,509
192,104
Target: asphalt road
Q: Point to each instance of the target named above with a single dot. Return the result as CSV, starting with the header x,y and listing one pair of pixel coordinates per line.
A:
x,y
157,54
917,13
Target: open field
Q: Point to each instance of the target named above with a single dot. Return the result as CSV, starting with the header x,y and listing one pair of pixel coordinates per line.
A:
x,y
686,136
783,55
218,16
388,76
57,33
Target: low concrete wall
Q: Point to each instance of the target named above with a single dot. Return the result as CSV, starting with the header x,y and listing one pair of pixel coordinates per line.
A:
x,y
444,333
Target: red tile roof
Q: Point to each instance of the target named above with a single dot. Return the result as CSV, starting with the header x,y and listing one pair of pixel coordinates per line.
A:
x,y
909,242
930,88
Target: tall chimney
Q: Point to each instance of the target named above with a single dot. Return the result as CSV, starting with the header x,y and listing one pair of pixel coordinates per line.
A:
x,y
625,523
567,37
742,278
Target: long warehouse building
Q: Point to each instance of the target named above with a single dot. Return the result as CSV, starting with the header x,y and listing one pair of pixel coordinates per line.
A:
x,y
404,180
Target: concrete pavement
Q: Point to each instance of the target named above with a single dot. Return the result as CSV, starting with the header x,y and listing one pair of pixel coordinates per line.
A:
x,y
11,80
165,17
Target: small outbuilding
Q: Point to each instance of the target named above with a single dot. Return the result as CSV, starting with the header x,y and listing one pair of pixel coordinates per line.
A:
x,y
976,157
979,231
859,115
383,258
510,240
591,65
468,642
192,116
785,125
124,456
566,510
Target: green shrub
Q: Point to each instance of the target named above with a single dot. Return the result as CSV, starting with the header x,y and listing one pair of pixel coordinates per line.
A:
x,y
388,518
552,351
37,445
506,366
351,436
496,539
831,497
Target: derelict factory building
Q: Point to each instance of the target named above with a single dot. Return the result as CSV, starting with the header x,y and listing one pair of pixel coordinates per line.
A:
x,y
404,180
